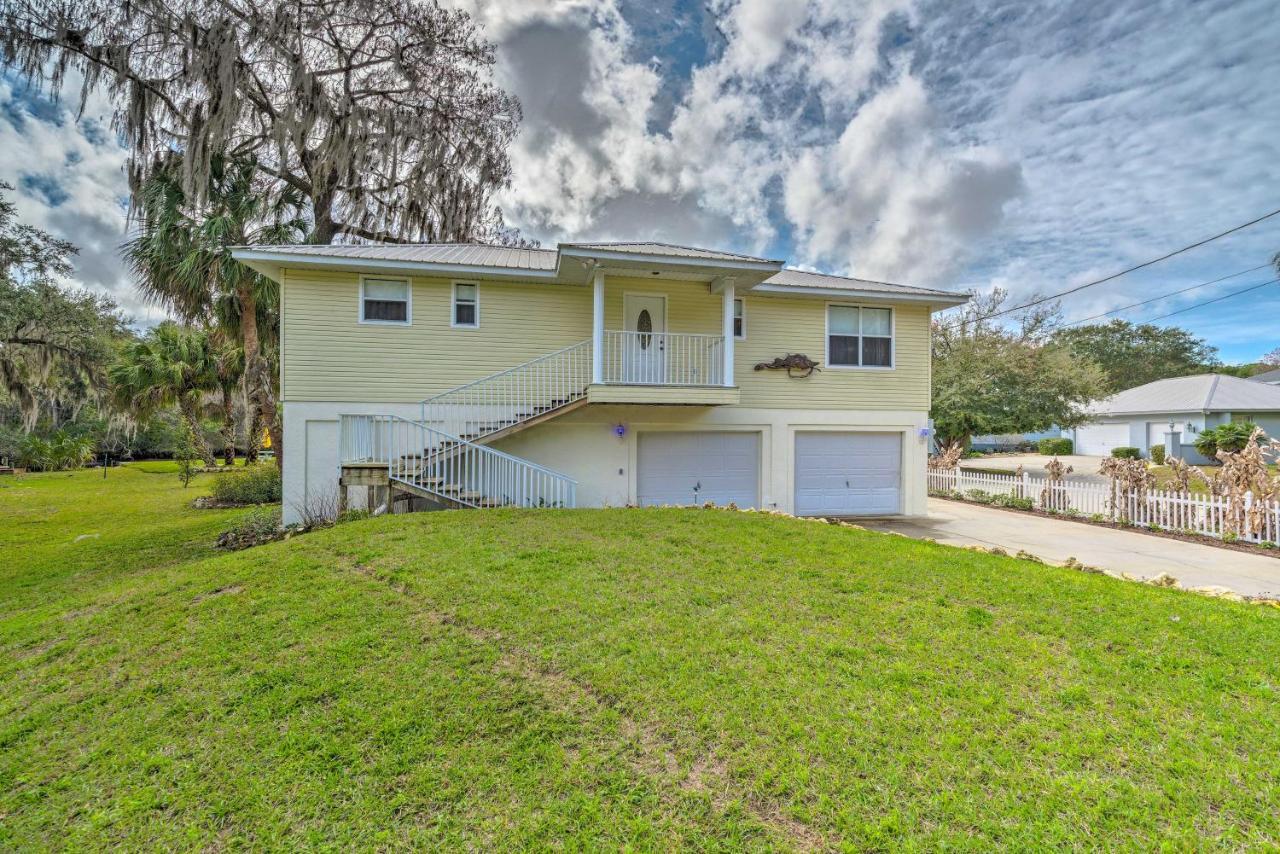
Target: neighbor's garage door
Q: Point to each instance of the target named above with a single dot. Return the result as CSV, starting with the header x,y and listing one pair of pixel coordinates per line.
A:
x,y
1098,439
848,474
693,468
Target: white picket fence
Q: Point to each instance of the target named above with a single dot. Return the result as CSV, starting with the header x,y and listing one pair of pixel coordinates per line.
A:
x,y
1188,512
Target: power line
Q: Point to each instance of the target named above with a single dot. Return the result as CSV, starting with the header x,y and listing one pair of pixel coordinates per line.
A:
x,y
1165,296
1211,301
1134,268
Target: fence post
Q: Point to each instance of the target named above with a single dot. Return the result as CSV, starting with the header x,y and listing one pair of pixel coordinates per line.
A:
x,y
1026,486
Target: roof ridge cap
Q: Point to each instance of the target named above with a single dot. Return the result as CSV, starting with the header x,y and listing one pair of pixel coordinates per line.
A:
x,y
1213,386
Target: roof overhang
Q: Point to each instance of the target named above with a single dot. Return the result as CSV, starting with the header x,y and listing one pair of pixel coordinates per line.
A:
x,y
576,264
744,273
270,263
936,301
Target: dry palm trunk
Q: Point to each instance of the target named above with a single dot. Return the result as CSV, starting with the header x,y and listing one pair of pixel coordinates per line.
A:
x,y
258,373
228,426
253,440
191,415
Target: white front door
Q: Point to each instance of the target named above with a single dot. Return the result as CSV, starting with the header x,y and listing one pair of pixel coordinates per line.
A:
x,y
644,346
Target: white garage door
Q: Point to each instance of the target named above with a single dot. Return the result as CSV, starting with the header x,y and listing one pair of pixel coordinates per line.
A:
x,y
693,468
848,474
1099,439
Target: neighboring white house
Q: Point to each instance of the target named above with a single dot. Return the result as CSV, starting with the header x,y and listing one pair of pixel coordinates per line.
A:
x,y
1140,417
597,374
1268,377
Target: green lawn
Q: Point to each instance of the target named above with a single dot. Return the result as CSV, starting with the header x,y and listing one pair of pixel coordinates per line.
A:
x,y
1164,477
586,679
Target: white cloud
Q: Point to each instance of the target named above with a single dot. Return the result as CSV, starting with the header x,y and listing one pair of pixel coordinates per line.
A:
x,y
888,200
69,181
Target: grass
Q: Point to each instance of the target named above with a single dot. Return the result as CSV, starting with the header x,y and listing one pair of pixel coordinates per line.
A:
x,y
585,679
1164,477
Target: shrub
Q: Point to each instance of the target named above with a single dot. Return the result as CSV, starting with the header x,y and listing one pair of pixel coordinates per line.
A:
x,y
1125,452
1157,454
1055,447
1013,501
258,484
979,495
1225,437
62,451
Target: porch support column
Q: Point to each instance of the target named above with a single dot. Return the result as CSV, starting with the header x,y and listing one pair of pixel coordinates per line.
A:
x,y
597,329
727,295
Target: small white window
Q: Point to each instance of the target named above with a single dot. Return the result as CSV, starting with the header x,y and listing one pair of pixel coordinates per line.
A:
x,y
859,337
384,301
739,319
466,305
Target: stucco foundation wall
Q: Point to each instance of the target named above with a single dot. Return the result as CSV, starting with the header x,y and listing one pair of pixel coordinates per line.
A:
x,y
585,445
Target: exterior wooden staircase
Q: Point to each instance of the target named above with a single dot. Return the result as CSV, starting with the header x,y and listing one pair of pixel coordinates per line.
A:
x,y
444,456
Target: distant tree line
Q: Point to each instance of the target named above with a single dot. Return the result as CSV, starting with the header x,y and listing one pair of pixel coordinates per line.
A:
x,y
1034,373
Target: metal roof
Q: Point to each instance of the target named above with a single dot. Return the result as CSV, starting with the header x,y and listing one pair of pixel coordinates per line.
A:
x,y
545,264
670,250
805,279
1266,377
464,254
1201,393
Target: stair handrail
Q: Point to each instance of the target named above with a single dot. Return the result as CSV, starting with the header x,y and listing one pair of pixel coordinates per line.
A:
x,y
429,459
503,395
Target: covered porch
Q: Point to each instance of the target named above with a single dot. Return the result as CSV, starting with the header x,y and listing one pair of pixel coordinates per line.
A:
x,y
664,333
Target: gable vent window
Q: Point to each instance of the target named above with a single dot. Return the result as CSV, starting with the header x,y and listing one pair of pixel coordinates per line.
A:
x,y
859,337
384,301
466,305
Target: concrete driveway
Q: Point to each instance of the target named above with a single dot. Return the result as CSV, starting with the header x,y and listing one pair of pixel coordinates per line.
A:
x,y
1086,468
1142,555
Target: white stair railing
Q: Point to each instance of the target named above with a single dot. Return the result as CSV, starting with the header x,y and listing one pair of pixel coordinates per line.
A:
x,y
498,401
663,358
449,468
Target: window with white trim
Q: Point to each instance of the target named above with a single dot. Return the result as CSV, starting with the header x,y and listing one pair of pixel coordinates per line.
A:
x,y
384,301
739,319
859,337
466,305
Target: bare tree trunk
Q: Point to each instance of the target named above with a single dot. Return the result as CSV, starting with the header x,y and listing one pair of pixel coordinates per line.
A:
x,y
253,439
228,426
192,417
258,373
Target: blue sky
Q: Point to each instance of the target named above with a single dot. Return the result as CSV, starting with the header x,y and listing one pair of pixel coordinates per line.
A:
x,y
1026,145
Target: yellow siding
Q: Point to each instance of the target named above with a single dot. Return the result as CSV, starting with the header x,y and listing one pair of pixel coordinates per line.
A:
x,y
777,326
691,307
329,356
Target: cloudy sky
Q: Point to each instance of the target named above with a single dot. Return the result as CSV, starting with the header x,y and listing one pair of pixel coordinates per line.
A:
x,y
1022,144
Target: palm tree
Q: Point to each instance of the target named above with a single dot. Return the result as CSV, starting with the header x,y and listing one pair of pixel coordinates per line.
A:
x,y
182,258
228,369
171,366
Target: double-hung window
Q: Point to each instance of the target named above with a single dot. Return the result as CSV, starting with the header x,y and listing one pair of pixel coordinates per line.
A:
x,y
859,337
739,319
384,301
466,305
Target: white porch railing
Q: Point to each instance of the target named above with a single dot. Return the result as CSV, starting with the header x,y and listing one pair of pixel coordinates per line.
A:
x,y
450,468
1190,512
492,403
663,358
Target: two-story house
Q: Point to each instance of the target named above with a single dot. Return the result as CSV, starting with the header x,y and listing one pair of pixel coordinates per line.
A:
x,y
597,374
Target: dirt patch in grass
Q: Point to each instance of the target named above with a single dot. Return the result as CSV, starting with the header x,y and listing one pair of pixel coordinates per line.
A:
x,y
229,590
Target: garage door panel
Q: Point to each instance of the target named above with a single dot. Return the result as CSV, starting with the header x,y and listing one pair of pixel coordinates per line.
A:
x,y
696,467
848,474
1099,439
